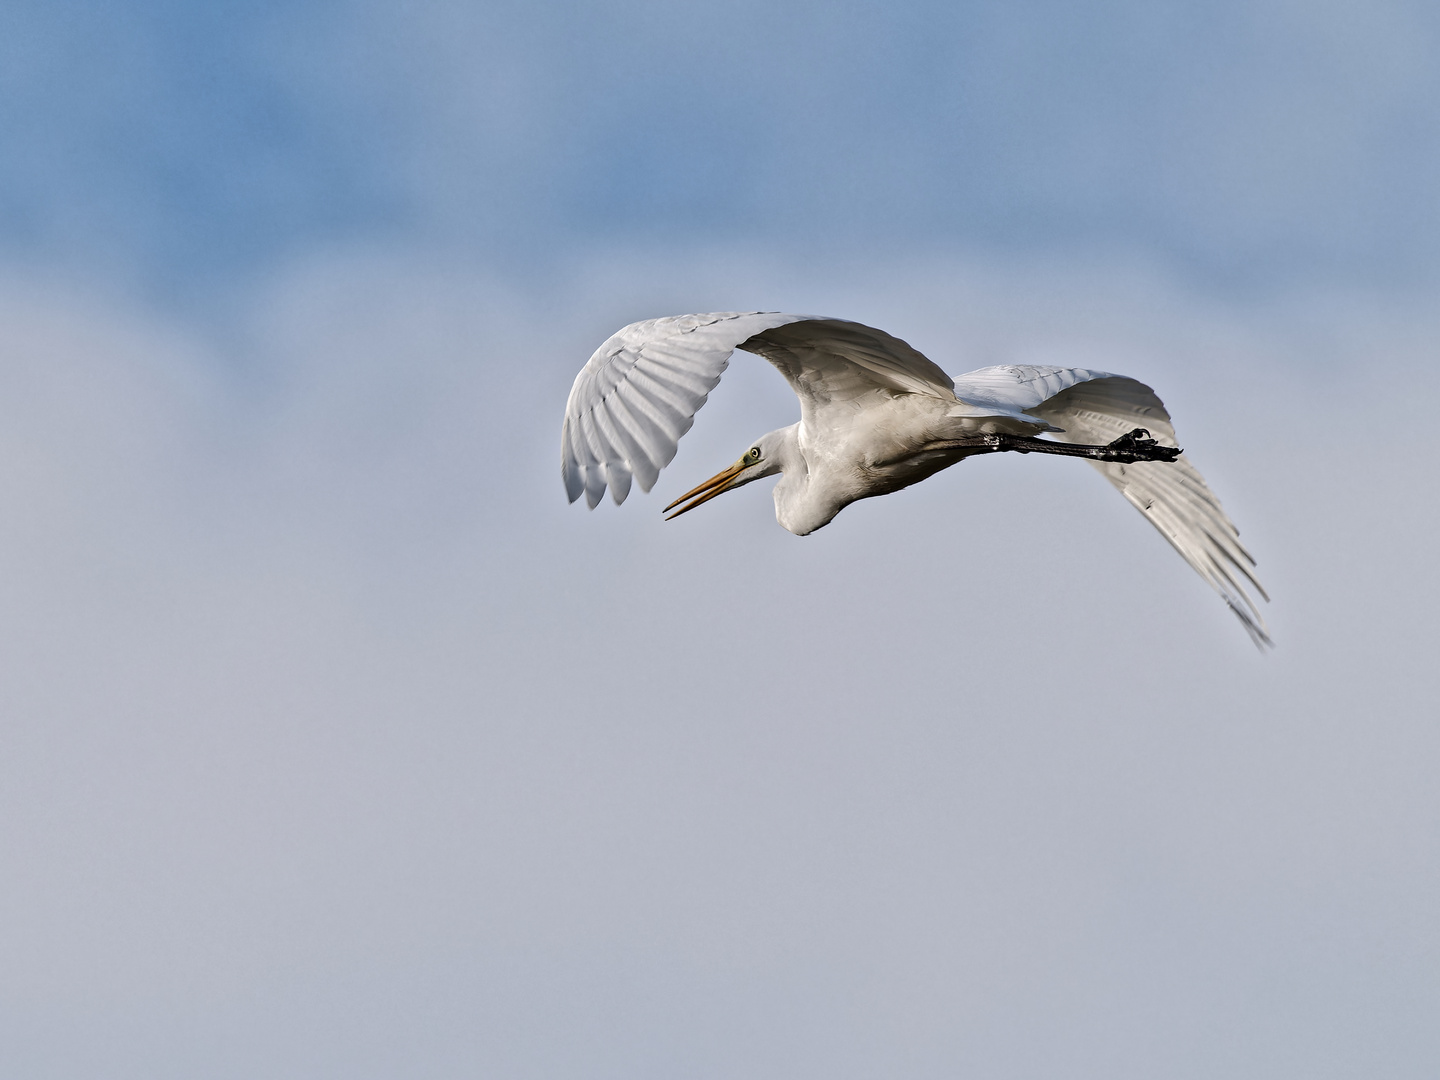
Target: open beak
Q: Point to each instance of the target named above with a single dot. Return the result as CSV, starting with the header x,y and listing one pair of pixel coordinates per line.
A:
x,y
716,485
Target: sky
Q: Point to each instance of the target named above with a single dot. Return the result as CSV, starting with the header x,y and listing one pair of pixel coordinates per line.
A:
x,y
333,743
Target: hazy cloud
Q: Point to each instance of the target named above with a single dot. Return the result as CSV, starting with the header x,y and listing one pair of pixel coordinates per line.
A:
x,y
336,744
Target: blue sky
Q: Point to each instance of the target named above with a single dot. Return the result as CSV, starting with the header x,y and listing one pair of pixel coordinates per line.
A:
x,y
1254,143
333,743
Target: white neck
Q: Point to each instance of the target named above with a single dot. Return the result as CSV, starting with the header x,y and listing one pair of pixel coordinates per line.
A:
x,y
799,505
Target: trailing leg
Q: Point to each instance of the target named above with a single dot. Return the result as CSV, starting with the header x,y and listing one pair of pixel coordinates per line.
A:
x,y
1136,445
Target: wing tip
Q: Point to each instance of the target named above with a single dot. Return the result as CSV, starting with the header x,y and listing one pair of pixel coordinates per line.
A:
x,y
1254,625
574,485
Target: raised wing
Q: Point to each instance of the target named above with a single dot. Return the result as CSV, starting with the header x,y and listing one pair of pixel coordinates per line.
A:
x,y
827,361
640,391
1096,407
1016,386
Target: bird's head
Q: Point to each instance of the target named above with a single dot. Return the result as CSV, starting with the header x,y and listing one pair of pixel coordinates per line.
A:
x,y
762,459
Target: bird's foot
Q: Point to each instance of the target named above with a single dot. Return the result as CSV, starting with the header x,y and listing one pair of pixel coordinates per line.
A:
x,y
1137,445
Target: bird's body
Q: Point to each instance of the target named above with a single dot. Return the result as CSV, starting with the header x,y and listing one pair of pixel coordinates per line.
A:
x,y
877,416
859,454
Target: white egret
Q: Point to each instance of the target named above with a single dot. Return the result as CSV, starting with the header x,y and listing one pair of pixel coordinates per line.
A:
x,y
877,416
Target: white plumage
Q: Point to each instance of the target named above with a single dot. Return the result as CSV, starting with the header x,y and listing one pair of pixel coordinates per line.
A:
x,y
877,416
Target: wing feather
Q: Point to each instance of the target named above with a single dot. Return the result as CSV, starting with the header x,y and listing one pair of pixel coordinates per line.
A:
x,y
662,423
648,457
830,360
571,471
1018,386
618,468
592,461
1096,407
675,374
638,394
669,399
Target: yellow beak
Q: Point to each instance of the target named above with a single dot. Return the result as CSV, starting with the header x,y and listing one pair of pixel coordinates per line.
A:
x,y
716,485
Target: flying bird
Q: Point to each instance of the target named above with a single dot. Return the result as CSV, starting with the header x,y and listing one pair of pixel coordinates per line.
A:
x,y
877,416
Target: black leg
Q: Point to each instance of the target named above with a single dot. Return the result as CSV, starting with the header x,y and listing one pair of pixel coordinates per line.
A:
x,y
1136,445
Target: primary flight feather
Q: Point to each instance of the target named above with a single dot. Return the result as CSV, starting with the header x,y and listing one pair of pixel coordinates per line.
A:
x,y
877,416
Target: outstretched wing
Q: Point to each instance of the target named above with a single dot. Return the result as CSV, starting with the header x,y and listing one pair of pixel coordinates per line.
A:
x,y
829,361
1096,407
640,391
1018,386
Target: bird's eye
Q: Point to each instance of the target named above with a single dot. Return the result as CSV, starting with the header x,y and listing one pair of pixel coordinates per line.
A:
x,y
754,453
